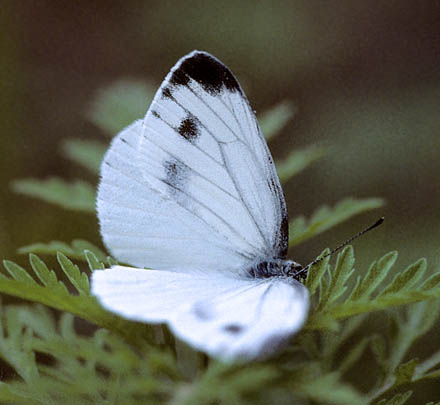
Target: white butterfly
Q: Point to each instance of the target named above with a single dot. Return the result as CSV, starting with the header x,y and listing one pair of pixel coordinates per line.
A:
x,y
192,192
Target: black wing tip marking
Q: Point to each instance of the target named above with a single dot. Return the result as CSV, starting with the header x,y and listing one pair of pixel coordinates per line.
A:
x,y
206,70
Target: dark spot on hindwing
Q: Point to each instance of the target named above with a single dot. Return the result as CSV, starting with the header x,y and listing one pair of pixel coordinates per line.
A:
x,y
206,70
233,328
155,114
202,312
189,128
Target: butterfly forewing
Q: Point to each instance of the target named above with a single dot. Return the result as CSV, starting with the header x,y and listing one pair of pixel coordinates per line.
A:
x,y
199,169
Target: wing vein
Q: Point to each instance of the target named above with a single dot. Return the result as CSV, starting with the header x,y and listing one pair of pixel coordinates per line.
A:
x,y
192,212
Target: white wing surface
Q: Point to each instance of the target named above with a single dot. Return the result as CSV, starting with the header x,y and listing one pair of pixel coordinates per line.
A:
x,y
193,186
224,316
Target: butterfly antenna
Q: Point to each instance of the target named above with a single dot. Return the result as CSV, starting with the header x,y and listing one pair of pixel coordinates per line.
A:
x,y
375,225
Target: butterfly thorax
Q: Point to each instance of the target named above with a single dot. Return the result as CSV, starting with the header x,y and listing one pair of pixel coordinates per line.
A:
x,y
274,268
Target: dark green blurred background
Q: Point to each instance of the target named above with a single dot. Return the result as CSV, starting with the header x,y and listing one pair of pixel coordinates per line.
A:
x,y
364,76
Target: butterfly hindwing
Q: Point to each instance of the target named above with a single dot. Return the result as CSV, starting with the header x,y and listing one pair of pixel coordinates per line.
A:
x,y
224,316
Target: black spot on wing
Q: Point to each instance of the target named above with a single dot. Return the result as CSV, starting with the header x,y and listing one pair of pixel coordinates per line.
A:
x,y
166,92
233,328
206,70
155,114
176,175
202,312
189,128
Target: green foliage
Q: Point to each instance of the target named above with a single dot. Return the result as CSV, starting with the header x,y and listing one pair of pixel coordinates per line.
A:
x,y
119,104
151,371
275,119
298,160
369,293
132,363
85,152
78,195
74,251
325,218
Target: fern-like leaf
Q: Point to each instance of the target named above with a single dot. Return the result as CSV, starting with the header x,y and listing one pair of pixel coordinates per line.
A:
x,y
78,195
298,160
275,119
87,153
398,399
406,288
119,104
325,218
53,293
75,250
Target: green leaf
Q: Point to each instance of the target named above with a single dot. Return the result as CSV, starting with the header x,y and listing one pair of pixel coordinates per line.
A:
x,y
85,152
78,279
274,120
52,294
316,272
74,251
428,364
13,348
93,262
398,399
339,277
9,394
17,272
353,355
378,348
405,372
432,375
348,309
329,389
85,369
325,218
397,293
78,195
432,282
374,277
233,384
46,276
298,160
119,104
407,279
